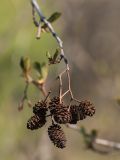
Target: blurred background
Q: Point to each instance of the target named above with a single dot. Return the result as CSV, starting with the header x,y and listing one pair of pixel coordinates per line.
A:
x,y
90,30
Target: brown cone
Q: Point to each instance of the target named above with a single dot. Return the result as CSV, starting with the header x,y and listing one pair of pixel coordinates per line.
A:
x,y
74,114
62,115
54,103
87,107
57,136
77,114
36,122
40,108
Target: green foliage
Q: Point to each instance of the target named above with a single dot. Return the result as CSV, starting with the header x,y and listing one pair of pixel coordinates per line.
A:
x,y
25,64
53,60
37,67
54,17
42,71
55,55
48,55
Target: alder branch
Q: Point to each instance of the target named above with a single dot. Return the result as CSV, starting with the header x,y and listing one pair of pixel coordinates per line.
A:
x,y
51,29
36,8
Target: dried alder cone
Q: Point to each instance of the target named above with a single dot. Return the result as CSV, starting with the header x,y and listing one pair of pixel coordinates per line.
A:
x,y
80,112
40,108
57,136
61,114
54,103
59,111
36,122
77,114
87,107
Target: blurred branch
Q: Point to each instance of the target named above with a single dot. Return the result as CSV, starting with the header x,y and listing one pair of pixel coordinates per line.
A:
x,y
107,143
25,97
91,139
20,107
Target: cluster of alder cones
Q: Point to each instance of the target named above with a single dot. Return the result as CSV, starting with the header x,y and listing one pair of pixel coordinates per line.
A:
x,y
60,114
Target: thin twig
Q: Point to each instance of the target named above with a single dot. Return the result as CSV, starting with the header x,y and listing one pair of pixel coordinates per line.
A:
x,y
65,93
47,96
76,100
60,87
25,91
41,87
38,32
25,97
70,104
51,29
64,71
69,83
36,23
